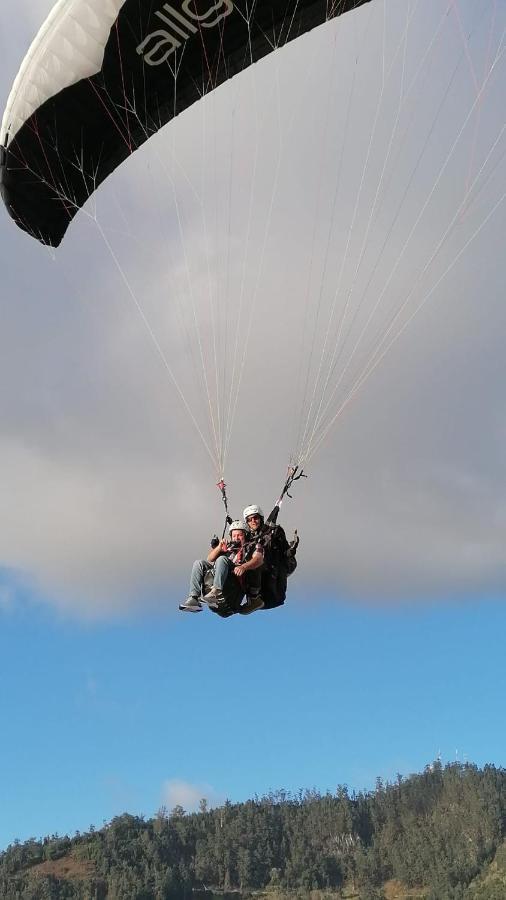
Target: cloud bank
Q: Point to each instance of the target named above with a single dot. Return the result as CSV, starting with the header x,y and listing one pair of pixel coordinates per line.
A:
x,y
108,490
189,796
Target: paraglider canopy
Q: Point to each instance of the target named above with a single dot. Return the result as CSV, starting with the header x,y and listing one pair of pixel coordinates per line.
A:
x,y
102,76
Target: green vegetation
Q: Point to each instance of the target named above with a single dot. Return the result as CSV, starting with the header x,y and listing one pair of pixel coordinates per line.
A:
x,y
434,836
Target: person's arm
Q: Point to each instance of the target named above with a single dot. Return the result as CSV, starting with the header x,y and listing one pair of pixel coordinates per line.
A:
x,y
214,552
255,562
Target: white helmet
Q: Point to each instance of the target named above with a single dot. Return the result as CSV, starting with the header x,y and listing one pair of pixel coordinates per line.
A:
x,y
252,511
238,525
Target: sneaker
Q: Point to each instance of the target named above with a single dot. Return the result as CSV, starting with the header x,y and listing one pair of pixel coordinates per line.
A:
x,y
193,604
251,605
214,597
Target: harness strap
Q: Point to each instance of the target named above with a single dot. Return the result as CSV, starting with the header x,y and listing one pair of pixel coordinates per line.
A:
x,y
294,474
223,490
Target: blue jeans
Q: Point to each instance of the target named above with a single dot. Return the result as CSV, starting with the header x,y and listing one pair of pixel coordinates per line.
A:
x,y
222,569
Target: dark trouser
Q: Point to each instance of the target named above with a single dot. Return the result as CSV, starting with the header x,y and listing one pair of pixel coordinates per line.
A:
x,y
224,579
253,582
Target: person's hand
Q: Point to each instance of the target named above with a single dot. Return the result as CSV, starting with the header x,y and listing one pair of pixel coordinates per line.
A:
x,y
223,546
239,571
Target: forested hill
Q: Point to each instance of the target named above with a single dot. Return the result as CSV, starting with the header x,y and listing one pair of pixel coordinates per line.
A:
x,y
434,836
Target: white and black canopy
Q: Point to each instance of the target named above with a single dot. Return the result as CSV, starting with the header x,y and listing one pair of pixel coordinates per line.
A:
x,y
103,75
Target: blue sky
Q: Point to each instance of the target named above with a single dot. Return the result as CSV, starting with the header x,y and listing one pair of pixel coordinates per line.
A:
x,y
96,719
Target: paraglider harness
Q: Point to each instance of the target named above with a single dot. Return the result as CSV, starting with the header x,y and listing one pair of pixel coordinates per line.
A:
x,y
279,554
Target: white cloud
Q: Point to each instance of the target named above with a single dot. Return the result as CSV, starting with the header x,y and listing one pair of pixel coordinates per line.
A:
x,y
107,491
182,793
